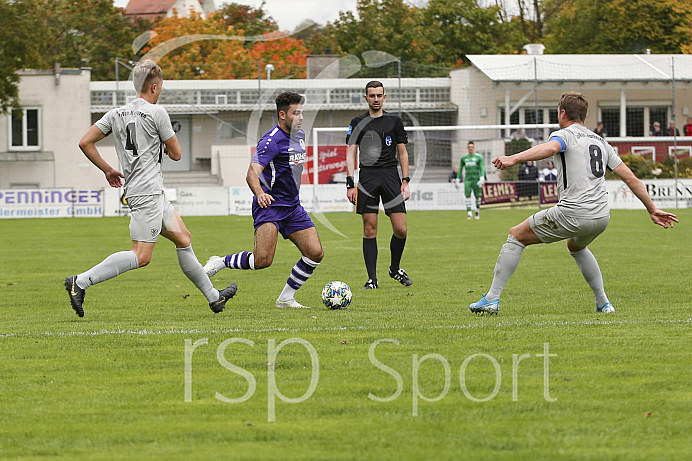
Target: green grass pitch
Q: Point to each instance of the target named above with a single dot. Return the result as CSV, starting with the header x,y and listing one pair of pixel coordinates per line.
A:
x,y
113,385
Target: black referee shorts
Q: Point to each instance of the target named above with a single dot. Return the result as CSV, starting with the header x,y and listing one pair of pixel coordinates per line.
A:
x,y
376,183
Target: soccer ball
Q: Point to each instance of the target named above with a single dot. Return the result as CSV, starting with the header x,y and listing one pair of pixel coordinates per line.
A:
x,y
336,295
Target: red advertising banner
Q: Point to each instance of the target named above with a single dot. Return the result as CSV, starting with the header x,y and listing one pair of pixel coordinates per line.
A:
x,y
499,192
549,192
332,161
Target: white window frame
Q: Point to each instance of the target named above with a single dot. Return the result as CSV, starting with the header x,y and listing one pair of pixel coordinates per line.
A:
x,y
680,149
644,151
24,146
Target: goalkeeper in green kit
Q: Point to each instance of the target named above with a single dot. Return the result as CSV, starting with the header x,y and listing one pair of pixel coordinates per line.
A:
x,y
475,177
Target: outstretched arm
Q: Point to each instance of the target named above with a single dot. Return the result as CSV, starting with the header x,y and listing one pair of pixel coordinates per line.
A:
x,y
88,146
539,152
660,217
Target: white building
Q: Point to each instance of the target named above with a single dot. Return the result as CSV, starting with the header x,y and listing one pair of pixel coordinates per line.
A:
x,y
219,122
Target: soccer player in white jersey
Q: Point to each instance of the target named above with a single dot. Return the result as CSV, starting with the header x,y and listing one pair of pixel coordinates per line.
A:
x,y
582,212
141,129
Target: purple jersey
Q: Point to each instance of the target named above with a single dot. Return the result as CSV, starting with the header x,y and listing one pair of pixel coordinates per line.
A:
x,y
282,157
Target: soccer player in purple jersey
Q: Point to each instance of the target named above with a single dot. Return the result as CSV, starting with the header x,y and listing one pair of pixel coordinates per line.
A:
x,y
274,178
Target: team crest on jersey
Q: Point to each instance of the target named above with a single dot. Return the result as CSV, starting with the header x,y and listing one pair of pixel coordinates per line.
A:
x,y
302,143
388,140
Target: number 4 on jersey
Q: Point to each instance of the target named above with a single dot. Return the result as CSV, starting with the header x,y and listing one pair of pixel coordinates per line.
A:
x,y
131,141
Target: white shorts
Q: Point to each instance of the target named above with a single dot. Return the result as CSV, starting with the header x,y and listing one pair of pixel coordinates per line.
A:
x,y
551,225
148,215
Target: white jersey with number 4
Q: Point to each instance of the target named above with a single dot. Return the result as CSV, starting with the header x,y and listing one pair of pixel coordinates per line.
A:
x,y
139,130
581,167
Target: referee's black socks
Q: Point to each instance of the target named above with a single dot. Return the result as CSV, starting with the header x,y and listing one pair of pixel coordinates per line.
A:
x,y
370,256
396,247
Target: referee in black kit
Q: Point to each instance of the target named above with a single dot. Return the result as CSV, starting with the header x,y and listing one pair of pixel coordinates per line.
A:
x,y
380,136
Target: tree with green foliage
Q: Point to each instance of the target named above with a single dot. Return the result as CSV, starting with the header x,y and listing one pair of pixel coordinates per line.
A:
x,y
247,20
456,28
19,27
84,34
391,26
619,26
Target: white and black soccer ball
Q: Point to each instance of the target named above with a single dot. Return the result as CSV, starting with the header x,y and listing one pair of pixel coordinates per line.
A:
x,y
337,295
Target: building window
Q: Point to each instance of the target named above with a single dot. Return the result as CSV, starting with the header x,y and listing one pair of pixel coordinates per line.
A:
x,y
25,127
513,120
660,115
234,129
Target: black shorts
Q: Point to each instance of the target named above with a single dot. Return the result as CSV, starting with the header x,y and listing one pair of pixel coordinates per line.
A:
x,y
376,183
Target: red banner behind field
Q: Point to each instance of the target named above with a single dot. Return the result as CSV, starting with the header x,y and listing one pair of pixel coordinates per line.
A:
x,y
499,192
332,160
549,192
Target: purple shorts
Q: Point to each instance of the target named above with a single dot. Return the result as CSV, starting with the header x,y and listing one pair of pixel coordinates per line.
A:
x,y
286,219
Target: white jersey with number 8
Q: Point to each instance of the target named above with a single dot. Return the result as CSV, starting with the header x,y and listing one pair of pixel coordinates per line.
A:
x,y
581,167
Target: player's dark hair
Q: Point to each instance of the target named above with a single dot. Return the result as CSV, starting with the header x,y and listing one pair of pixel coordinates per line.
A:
x,y
470,142
374,84
285,100
575,105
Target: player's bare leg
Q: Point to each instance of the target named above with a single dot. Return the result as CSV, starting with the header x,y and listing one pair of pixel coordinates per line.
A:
x,y
266,237
264,249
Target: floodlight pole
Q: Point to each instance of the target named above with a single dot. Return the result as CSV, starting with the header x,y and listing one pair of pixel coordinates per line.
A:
x,y
398,61
117,78
535,90
675,138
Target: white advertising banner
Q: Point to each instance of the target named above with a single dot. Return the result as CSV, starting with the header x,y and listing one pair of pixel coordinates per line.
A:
x,y
188,201
240,201
201,201
50,203
662,191
325,198
222,201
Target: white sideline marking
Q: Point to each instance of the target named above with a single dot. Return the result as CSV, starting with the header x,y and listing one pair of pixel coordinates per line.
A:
x,y
158,332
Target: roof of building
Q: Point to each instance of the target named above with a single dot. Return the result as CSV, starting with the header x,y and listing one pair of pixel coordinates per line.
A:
x,y
149,6
584,67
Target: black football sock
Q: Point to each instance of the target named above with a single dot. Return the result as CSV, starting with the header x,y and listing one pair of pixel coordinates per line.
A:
x,y
370,256
396,246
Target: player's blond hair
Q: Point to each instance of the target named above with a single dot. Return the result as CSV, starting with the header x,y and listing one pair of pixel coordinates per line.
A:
x,y
575,105
145,74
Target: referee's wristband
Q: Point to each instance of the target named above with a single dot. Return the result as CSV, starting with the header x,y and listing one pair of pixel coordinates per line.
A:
x,y
350,184
407,179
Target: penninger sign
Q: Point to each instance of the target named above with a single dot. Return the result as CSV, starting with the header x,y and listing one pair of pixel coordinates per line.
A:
x,y
50,203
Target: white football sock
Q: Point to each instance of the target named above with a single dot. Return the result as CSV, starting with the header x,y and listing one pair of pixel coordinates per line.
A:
x,y
592,274
300,273
195,272
112,266
506,264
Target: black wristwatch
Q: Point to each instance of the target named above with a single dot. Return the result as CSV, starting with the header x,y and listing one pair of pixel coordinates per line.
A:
x,y
407,179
